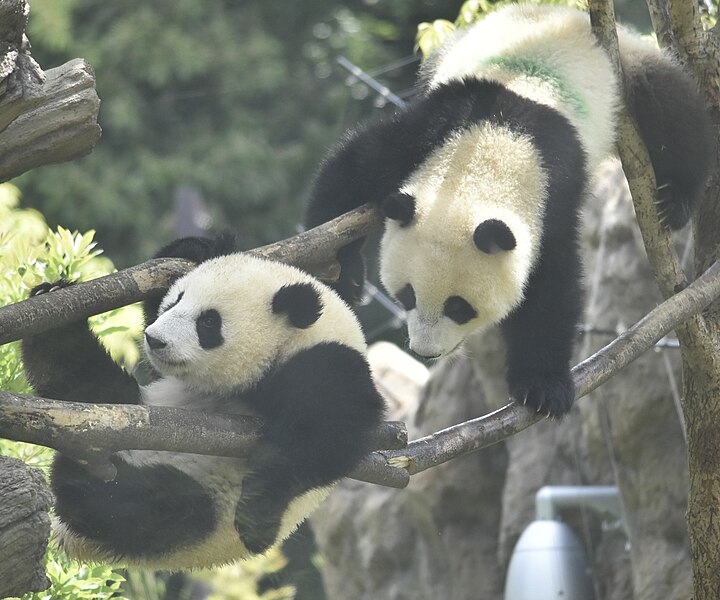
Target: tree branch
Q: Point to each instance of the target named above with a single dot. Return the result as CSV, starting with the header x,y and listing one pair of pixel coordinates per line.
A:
x,y
639,173
74,427
57,121
90,433
44,117
660,19
313,250
473,435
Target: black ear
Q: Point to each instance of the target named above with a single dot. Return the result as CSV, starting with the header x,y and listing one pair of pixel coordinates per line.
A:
x,y
301,302
399,206
493,235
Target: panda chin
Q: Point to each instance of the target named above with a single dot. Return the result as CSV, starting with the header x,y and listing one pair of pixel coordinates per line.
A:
x,y
165,366
454,351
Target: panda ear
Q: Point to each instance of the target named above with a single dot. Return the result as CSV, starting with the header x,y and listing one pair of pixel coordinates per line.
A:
x,y
300,302
493,235
399,206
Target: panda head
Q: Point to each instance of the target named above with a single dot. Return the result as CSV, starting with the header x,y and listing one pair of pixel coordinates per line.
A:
x,y
225,324
462,235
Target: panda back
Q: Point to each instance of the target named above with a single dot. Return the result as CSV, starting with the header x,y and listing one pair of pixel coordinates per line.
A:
x,y
546,54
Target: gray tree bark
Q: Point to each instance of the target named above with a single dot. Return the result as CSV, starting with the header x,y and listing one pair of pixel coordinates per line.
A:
x,y
24,528
44,117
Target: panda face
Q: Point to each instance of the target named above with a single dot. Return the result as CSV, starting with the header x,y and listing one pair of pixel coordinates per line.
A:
x,y
462,234
230,320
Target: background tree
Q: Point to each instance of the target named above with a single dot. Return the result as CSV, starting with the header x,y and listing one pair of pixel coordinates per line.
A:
x,y
698,353
239,99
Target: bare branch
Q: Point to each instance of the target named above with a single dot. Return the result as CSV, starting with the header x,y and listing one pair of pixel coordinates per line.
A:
x,y
57,121
91,432
44,117
473,435
74,427
312,250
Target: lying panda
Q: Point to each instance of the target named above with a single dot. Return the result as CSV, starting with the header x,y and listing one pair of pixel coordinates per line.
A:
x,y
240,336
481,178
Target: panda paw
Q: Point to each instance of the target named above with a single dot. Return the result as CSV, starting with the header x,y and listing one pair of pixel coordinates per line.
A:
x,y
552,395
257,529
48,287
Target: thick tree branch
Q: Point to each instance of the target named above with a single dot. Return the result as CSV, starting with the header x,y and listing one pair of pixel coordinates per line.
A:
x,y
473,435
313,250
75,427
91,432
44,117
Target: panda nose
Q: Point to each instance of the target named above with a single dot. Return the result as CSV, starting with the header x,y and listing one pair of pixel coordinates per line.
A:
x,y
154,343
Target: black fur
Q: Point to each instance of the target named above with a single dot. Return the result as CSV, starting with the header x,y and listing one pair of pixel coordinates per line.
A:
x,y
492,235
68,363
300,302
399,207
209,329
321,410
676,128
316,429
145,512
459,310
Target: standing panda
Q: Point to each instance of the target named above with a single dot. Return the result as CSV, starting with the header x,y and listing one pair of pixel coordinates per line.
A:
x,y
238,335
482,176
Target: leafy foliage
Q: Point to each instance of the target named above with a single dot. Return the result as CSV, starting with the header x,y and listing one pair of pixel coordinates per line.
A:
x,y
29,254
232,98
431,35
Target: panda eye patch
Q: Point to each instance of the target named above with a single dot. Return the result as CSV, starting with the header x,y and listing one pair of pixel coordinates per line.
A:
x,y
208,326
406,297
458,309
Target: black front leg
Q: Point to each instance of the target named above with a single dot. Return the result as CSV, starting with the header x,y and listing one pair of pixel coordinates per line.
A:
x,y
320,410
540,337
68,363
266,495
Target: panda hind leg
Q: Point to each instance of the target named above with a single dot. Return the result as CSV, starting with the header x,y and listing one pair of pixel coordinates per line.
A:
x,y
144,512
674,123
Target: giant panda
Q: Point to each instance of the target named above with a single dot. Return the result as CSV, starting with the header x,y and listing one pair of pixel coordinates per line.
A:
x,y
481,179
238,335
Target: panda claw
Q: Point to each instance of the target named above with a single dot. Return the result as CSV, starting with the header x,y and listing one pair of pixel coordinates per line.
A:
x,y
49,287
399,462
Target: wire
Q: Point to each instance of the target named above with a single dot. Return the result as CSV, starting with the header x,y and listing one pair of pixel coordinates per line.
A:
x,y
371,82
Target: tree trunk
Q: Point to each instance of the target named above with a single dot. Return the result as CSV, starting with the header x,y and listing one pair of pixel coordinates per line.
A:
x,y
44,117
24,528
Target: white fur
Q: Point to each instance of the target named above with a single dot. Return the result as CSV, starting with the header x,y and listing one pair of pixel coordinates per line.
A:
x,y
559,42
485,173
548,55
254,338
241,288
